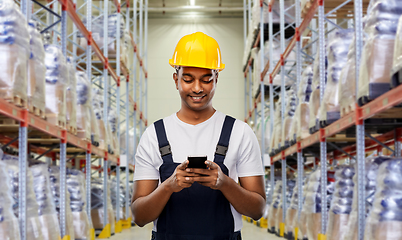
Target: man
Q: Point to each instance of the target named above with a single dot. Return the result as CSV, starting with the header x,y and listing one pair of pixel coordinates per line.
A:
x,y
195,203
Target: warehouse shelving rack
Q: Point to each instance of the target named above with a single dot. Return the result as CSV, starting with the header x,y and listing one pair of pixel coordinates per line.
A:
x,y
328,144
63,144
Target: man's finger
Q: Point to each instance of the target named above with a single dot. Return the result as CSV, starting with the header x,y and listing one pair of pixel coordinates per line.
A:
x,y
211,165
183,165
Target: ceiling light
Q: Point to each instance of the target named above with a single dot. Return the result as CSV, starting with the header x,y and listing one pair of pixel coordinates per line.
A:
x,y
192,2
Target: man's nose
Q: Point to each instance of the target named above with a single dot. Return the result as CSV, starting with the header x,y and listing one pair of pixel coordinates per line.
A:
x,y
197,87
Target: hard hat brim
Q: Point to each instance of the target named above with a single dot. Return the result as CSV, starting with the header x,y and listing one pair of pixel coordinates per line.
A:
x,y
189,65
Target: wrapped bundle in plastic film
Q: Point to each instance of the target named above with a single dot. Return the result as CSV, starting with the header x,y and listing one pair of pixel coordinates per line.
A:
x,y
301,222
397,62
338,47
314,103
377,54
97,212
276,55
276,135
122,197
385,218
292,214
300,128
112,121
15,52
78,202
372,165
97,104
34,226
36,71
83,89
289,116
313,204
71,96
47,210
341,205
258,129
290,185
274,208
256,12
57,80
98,35
127,50
54,174
9,226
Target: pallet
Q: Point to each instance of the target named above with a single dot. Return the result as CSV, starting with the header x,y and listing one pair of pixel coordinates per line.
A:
x,y
315,128
8,121
56,119
36,111
331,118
375,90
17,101
396,79
71,129
345,110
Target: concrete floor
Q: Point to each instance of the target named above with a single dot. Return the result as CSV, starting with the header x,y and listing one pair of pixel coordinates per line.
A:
x,y
249,232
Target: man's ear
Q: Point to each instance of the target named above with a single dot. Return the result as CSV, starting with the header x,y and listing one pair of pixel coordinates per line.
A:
x,y
175,78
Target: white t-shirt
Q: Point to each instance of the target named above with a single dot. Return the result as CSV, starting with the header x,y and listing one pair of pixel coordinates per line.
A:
x,y
243,158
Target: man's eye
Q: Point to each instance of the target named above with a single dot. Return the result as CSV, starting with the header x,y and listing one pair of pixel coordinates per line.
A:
x,y
207,79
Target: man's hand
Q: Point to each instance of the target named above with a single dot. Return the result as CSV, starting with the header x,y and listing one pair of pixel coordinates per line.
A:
x,y
181,178
212,177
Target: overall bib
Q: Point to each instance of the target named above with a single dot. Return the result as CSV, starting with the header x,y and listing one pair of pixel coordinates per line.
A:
x,y
198,212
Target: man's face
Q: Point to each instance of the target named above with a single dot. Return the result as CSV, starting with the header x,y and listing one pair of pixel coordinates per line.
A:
x,y
196,87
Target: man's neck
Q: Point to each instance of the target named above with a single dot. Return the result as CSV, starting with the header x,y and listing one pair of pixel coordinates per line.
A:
x,y
195,117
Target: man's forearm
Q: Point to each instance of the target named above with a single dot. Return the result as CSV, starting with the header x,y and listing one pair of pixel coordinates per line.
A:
x,y
147,209
244,201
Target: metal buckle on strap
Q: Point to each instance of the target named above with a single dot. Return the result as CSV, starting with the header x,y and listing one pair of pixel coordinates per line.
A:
x,y
221,150
165,150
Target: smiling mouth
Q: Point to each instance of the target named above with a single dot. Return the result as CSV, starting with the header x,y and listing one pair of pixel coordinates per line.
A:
x,y
197,98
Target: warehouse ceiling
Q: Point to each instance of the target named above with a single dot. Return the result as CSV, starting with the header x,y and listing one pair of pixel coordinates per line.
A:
x,y
195,8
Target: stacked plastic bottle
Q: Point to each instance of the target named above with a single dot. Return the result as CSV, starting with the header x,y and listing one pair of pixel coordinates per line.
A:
x,y
54,175
71,97
9,226
84,106
289,116
76,188
338,48
97,104
300,129
313,206
314,103
377,54
385,218
14,51
341,205
290,185
34,226
57,80
112,121
276,134
47,211
292,214
97,213
122,198
301,222
274,208
36,70
372,165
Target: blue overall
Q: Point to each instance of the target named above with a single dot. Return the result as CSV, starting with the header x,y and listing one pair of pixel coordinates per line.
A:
x,y
198,212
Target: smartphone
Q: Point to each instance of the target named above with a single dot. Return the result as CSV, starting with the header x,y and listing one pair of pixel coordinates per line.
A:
x,y
197,162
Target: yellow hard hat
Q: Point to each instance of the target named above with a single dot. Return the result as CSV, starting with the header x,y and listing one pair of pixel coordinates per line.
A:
x,y
197,50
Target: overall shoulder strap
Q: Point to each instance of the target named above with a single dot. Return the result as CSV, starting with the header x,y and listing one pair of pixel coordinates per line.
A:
x,y
223,142
164,147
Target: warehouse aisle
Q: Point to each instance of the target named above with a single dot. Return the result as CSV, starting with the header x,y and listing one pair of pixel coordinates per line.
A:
x,y
249,232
